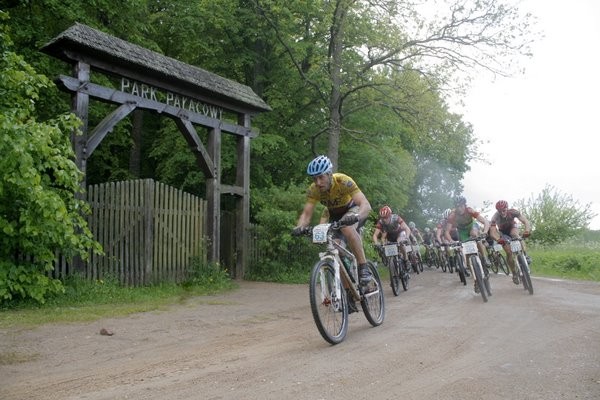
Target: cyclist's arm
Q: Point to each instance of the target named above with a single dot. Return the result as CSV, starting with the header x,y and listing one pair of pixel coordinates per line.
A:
x,y
376,234
525,221
494,234
485,222
364,207
306,215
406,229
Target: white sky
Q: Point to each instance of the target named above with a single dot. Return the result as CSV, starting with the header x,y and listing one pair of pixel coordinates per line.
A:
x,y
543,127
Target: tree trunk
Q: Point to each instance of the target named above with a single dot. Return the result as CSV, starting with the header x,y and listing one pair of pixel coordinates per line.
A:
x,y
335,72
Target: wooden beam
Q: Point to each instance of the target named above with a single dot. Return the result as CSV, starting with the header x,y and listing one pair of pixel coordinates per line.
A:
x,y
203,158
106,126
118,97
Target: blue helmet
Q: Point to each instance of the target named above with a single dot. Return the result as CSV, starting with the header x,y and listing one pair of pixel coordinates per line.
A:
x,y
319,166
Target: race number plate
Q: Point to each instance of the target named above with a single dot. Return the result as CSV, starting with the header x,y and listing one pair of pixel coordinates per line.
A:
x,y
469,247
497,247
320,233
390,250
408,248
515,246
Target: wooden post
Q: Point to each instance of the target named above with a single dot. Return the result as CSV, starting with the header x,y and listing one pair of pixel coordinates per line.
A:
x,y
213,194
243,202
80,102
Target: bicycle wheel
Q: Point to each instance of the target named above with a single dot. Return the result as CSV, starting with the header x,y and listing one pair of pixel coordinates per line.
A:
x,y
394,275
403,273
414,263
503,264
460,268
452,264
443,262
494,262
525,271
479,280
329,310
373,303
419,262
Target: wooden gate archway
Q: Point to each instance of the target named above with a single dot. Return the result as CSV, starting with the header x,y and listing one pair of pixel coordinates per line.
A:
x,y
187,94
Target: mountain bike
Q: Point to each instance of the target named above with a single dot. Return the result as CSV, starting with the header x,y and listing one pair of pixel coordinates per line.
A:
x,y
457,261
334,287
396,264
497,259
521,264
411,255
480,272
430,257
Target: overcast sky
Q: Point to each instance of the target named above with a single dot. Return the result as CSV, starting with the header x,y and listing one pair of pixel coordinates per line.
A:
x,y
543,127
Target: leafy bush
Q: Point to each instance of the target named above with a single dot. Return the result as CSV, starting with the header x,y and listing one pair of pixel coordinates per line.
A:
x,y
283,257
39,212
206,274
567,261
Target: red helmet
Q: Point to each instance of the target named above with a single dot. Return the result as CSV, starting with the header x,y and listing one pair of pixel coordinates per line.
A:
x,y
385,211
501,205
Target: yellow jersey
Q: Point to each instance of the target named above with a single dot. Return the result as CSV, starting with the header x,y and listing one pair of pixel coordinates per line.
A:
x,y
338,199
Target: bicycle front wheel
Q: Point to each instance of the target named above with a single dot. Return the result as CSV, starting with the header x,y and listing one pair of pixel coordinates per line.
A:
x,y
394,275
479,279
525,271
373,303
460,268
329,309
403,271
503,264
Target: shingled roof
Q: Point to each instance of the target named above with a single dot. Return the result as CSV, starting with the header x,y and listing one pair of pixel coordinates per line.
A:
x,y
81,42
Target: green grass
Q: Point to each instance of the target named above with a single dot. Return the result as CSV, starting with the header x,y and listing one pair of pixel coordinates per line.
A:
x,y
91,300
567,262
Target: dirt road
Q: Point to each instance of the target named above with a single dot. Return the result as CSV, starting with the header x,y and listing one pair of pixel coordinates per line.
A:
x,y
438,341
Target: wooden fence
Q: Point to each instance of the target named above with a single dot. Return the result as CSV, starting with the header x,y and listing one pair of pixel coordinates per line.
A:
x,y
149,231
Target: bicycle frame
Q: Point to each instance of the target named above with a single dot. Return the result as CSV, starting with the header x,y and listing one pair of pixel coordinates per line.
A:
x,y
322,234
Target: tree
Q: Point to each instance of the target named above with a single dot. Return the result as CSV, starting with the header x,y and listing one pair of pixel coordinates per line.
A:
x,y
555,216
39,213
348,47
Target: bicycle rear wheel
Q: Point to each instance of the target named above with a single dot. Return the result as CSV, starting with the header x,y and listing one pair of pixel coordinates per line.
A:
x,y
494,262
525,271
373,303
329,310
479,279
395,274
441,261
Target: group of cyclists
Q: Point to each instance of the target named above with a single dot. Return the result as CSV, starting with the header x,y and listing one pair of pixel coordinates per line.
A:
x,y
343,200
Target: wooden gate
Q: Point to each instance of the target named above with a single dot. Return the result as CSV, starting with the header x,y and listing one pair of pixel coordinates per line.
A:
x,y
149,231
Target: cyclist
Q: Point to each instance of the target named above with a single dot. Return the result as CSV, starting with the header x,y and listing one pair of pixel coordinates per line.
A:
x,y
503,228
463,218
344,201
415,236
441,226
428,236
390,228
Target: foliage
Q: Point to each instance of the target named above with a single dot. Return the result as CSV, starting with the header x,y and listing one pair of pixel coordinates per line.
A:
x,y
555,216
283,257
571,260
85,300
207,275
39,211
